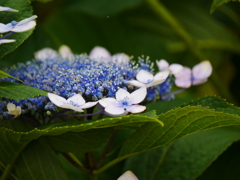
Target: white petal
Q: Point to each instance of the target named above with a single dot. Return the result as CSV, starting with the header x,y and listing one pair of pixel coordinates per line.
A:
x,y
57,100
5,27
88,105
121,58
144,76
202,70
69,106
99,52
11,106
76,99
7,41
136,108
136,83
128,175
138,95
27,20
198,81
24,27
161,76
162,65
19,110
7,9
108,102
115,110
121,94
46,53
175,68
66,52
183,83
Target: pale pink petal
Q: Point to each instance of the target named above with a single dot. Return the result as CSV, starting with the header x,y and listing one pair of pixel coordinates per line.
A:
x,y
156,82
24,27
99,52
183,83
57,100
46,53
88,105
128,175
138,95
115,110
198,81
66,52
144,76
162,65
161,76
108,102
7,41
135,108
175,68
69,106
136,83
202,70
121,58
5,27
186,74
122,94
76,99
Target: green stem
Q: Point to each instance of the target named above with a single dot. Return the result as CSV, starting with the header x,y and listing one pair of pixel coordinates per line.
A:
x,y
191,43
12,163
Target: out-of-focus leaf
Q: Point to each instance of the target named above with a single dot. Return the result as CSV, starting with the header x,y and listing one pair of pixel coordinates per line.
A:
x,y
218,3
184,159
25,11
16,91
4,74
43,1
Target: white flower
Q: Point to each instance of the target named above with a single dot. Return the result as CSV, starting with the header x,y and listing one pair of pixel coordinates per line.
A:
x,y
197,75
13,109
66,52
6,41
7,9
121,58
21,26
163,65
46,53
76,102
128,175
125,102
145,78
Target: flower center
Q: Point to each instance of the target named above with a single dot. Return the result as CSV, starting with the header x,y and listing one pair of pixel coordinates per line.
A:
x,y
149,81
124,103
73,104
13,23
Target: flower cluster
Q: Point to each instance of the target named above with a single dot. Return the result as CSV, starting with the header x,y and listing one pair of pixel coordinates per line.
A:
x,y
115,84
12,27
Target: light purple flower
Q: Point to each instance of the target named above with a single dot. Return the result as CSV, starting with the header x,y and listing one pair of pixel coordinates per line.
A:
x,y
198,75
146,79
163,65
125,102
76,102
21,26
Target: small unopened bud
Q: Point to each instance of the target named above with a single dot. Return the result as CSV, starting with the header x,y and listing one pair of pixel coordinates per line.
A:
x,y
128,175
49,113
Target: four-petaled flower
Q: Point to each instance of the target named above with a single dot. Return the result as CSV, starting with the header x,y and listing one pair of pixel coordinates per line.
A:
x,y
124,102
146,79
76,102
163,65
197,75
21,26
13,109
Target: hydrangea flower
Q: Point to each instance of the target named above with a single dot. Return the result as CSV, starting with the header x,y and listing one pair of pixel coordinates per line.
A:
x,y
145,78
125,102
198,75
21,26
76,102
163,65
6,41
13,109
7,9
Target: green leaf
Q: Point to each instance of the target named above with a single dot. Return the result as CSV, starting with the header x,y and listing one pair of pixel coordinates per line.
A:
x,y
185,158
25,11
39,162
15,91
218,3
4,74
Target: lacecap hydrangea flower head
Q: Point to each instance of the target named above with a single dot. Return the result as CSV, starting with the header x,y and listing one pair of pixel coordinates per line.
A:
x,y
77,85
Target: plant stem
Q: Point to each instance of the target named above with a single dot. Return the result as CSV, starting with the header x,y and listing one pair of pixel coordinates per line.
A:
x,y
89,157
7,35
107,148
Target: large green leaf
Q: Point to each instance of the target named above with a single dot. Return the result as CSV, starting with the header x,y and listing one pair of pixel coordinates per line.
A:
x,y
178,123
19,91
184,159
25,11
218,3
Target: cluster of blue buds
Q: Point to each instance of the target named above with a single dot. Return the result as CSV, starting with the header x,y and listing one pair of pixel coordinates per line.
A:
x,y
116,84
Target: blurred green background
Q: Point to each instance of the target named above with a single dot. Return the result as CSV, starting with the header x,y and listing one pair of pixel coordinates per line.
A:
x,y
179,31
